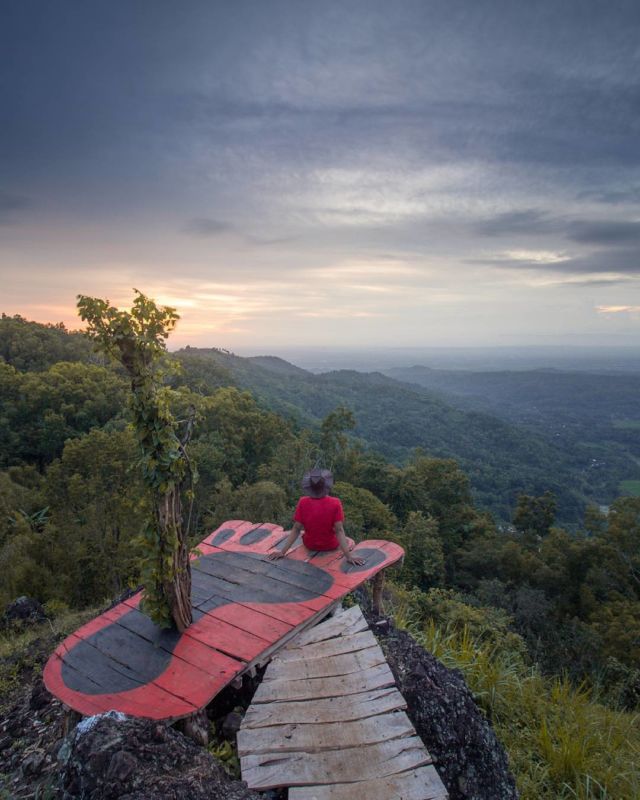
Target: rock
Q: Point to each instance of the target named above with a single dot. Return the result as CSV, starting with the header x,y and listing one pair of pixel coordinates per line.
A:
x,y
33,763
113,756
382,626
23,611
40,697
231,724
121,766
469,758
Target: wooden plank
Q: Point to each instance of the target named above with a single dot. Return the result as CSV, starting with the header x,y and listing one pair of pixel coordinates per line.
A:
x,y
274,598
98,671
329,667
197,654
265,656
420,784
228,639
324,736
255,622
331,647
331,709
230,528
344,623
108,661
247,569
276,691
270,770
239,625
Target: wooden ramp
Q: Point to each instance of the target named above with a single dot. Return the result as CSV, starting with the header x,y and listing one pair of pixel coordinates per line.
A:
x,y
328,722
245,608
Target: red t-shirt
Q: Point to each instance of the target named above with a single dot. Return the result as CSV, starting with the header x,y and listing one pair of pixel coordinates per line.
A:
x,y
318,516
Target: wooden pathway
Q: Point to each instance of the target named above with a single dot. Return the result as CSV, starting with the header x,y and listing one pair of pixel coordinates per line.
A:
x,y
328,722
245,608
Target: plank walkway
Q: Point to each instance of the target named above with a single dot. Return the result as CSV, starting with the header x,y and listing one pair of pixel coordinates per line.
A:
x,y
245,608
328,722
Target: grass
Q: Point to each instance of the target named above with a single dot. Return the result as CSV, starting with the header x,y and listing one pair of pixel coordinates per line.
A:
x,y
23,653
562,743
630,488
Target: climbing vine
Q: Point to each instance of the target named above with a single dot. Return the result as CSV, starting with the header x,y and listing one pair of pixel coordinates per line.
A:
x,y
136,339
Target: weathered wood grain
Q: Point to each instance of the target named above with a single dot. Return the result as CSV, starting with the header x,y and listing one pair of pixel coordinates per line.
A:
x,y
373,678
331,647
349,621
331,709
324,736
420,784
268,770
331,666
321,724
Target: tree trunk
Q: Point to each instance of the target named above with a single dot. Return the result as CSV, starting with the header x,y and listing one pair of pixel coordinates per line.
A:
x,y
177,591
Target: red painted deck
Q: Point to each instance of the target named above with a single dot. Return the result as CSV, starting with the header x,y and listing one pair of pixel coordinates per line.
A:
x,y
244,606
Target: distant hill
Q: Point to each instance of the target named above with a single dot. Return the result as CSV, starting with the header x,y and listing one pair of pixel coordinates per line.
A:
x,y
502,459
535,395
572,433
278,365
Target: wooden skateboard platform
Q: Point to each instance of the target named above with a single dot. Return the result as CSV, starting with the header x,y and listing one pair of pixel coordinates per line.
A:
x,y
328,722
245,607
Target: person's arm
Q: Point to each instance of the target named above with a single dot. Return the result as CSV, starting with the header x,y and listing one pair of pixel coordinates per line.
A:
x,y
293,535
344,544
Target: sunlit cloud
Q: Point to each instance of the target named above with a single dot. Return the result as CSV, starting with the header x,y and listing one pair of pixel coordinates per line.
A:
x,y
580,280
534,256
618,309
328,313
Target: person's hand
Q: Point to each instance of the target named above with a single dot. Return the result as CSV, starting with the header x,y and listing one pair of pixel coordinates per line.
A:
x,y
274,555
355,560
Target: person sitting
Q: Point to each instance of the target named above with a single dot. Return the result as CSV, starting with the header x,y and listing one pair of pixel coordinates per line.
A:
x,y
320,516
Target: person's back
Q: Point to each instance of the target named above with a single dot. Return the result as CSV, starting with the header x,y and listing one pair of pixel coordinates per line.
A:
x,y
320,516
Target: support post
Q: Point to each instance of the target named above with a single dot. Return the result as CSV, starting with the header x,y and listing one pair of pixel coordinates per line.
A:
x,y
378,583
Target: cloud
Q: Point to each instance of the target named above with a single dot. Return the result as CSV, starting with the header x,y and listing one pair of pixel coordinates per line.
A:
x,y
605,261
205,226
612,196
606,232
525,221
534,256
618,309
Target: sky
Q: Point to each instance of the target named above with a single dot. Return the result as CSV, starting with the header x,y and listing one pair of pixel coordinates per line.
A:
x,y
326,173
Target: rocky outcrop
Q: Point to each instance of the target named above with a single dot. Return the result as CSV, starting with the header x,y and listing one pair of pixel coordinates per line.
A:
x,y
111,757
470,760
22,612
138,759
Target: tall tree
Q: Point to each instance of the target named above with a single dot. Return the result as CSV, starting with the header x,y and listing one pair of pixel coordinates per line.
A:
x,y
136,339
534,516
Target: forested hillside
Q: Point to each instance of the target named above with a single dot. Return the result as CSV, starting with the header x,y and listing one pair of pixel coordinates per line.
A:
x,y
502,459
515,609
593,418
